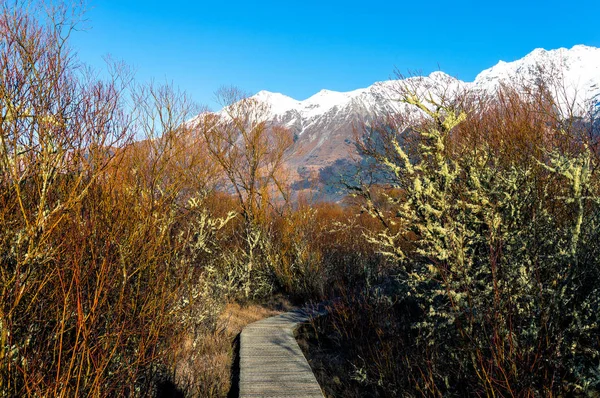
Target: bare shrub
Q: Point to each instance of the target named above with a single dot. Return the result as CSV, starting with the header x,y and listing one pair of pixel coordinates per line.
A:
x,y
104,242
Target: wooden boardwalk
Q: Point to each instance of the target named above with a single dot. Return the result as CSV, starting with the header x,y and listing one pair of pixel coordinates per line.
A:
x,y
272,363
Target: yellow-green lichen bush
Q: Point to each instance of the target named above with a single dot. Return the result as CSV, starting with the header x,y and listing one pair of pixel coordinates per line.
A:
x,y
501,202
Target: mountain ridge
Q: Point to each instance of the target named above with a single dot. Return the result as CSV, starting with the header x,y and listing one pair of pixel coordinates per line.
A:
x,y
323,125
564,58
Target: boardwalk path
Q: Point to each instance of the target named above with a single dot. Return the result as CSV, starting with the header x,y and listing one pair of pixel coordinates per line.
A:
x,y
271,362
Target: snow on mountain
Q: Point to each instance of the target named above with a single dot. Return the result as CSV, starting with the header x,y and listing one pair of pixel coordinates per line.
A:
x,y
326,100
279,103
315,106
576,70
324,124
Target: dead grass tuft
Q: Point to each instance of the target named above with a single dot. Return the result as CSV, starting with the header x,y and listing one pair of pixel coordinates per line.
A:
x,y
205,368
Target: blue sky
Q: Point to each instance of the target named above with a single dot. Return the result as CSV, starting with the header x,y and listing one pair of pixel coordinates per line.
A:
x,y
300,47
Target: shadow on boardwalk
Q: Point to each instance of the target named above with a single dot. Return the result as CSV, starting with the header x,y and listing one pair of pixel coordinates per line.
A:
x,y
234,391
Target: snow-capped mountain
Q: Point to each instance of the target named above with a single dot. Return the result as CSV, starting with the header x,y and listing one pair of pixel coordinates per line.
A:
x,y
323,125
577,70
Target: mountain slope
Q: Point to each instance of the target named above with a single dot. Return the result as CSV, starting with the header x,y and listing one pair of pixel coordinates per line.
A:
x,y
323,125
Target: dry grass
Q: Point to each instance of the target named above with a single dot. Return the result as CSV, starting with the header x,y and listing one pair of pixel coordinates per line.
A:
x,y
236,316
205,368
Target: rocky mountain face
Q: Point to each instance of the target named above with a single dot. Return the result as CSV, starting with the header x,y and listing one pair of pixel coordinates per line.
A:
x,y
324,125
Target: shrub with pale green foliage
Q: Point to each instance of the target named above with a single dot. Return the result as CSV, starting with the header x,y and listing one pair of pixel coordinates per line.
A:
x,y
500,201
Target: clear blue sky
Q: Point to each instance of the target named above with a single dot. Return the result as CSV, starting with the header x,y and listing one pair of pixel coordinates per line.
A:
x,y
300,47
